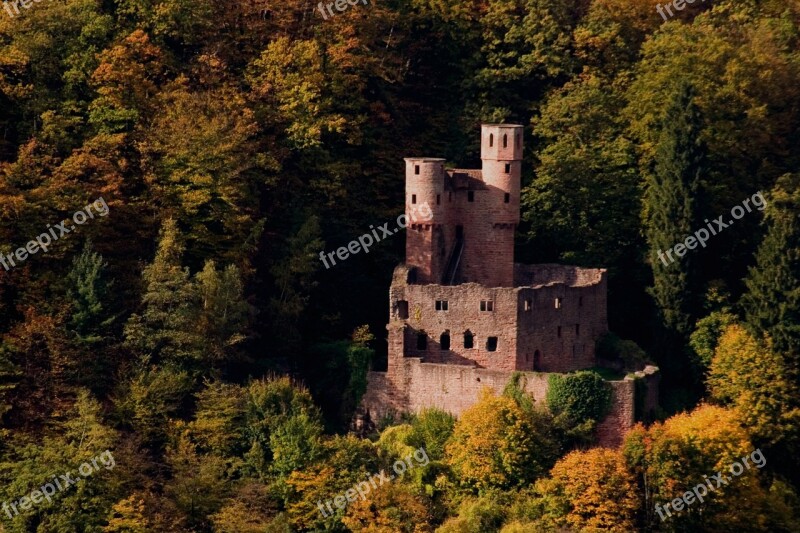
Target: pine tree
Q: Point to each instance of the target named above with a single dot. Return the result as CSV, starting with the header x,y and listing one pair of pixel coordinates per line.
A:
x,y
772,301
166,329
224,313
671,214
88,294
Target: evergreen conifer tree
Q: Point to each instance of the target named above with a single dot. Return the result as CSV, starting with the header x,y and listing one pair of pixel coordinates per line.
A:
x,y
772,302
166,329
671,214
88,295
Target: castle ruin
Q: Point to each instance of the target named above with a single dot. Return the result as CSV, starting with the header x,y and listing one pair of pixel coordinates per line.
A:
x,y
464,316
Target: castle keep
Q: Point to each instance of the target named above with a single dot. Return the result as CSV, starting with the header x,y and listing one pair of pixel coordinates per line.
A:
x,y
464,316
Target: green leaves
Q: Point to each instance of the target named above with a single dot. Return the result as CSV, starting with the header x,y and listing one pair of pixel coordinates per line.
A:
x,y
582,396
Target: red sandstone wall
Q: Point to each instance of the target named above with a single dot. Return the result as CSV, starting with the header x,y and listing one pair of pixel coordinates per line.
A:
x,y
581,318
611,431
463,315
520,333
453,388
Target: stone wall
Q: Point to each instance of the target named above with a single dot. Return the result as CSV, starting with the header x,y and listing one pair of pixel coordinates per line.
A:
x,y
550,328
560,331
611,430
415,385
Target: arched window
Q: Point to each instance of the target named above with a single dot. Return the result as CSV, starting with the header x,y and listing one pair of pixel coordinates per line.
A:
x,y
491,140
444,341
468,339
505,140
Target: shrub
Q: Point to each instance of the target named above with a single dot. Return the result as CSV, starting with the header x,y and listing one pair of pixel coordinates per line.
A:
x,y
582,396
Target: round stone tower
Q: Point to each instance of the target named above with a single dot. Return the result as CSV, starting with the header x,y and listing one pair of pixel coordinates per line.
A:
x,y
427,214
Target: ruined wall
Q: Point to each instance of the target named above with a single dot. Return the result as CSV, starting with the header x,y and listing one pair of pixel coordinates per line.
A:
x,y
561,327
415,385
532,332
463,316
611,431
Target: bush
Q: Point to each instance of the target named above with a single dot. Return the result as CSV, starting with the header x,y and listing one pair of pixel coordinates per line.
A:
x,y
431,429
582,396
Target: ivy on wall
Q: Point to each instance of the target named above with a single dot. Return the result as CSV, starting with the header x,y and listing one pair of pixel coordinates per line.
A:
x,y
582,396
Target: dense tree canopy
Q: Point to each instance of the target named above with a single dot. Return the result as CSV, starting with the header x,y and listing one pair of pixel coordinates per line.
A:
x,y
193,332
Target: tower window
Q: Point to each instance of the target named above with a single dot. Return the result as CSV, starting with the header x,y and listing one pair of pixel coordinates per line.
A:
x,y
558,303
438,199
413,198
487,305
441,305
470,196
558,332
422,341
491,344
444,341
491,140
577,330
580,301
508,168
505,140
416,169
507,198
468,339
527,305
402,309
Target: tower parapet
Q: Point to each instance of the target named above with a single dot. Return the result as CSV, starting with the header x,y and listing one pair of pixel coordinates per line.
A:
x,y
501,142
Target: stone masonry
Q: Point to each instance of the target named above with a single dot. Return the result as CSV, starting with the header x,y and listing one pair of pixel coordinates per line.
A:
x,y
464,316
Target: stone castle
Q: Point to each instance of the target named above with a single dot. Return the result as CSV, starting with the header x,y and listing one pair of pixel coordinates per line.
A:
x,y
464,316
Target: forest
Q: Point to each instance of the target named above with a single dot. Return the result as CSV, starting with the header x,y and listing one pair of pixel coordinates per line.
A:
x,y
178,349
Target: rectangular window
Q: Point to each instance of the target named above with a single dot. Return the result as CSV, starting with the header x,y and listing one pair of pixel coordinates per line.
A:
x,y
438,199
441,305
491,344
558,303
507,198
558,332
577,330
470,196
416,169
527,305
402,309
413,198
487,305
580,301
508,168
